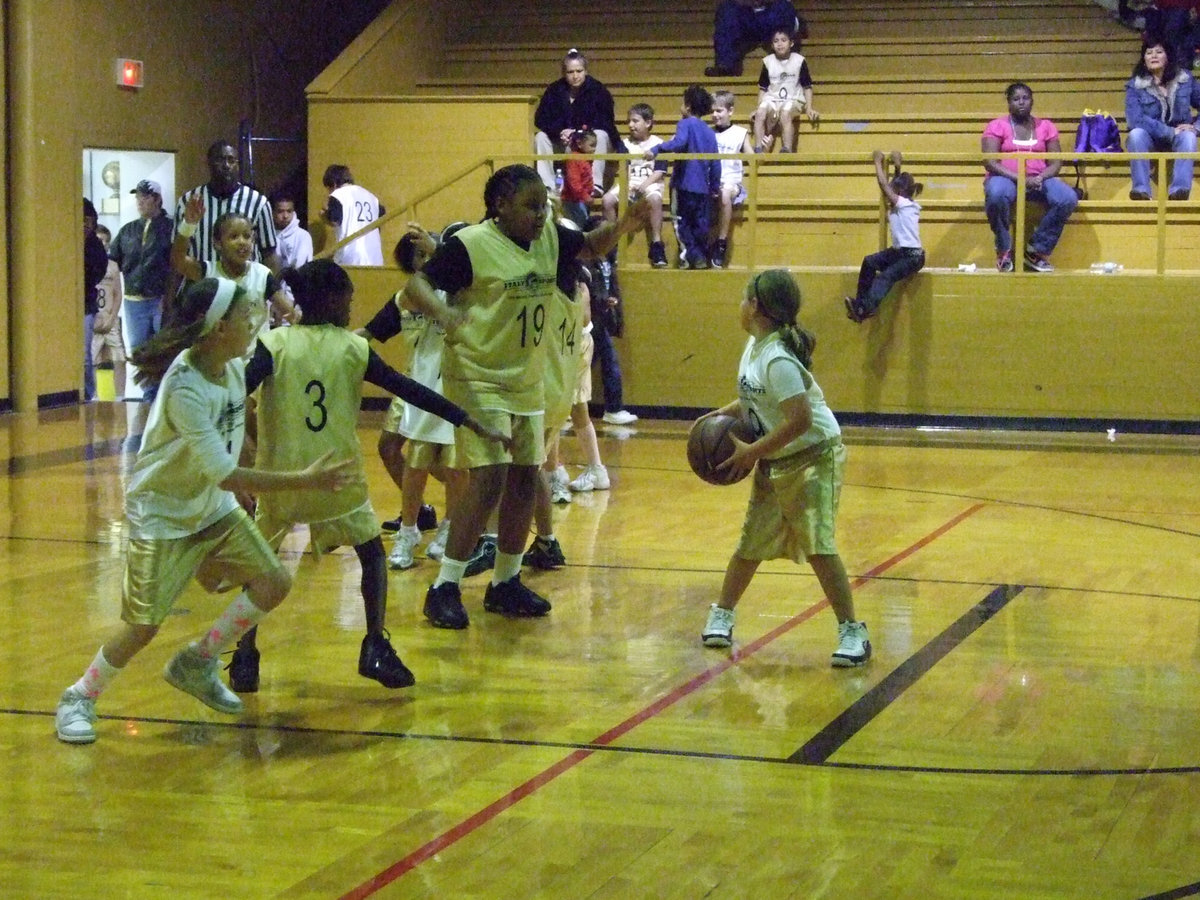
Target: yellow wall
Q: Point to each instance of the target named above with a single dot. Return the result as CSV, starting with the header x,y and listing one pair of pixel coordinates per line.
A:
x,y
208,65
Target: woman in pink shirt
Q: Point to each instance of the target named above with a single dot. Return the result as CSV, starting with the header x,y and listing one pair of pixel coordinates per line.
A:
x,y
1021,132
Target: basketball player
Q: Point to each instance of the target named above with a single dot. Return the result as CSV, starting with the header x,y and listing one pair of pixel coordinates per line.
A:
x,y
500,275
797,455
784,91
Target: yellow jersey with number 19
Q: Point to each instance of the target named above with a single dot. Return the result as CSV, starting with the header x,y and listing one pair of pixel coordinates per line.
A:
x,y
309,406
495,359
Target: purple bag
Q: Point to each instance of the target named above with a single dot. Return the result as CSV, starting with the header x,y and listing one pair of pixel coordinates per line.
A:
x,y
1097,133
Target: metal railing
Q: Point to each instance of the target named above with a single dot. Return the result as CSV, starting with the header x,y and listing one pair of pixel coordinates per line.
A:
x,y
755,165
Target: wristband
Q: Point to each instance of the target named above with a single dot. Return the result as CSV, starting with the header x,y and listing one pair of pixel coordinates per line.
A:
x,y
187,229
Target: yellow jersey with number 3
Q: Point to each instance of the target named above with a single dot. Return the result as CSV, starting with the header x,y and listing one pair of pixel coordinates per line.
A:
x,y
495,359
308,407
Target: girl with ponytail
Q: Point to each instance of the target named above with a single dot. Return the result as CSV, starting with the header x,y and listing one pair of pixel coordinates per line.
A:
x,y
184,520
798,457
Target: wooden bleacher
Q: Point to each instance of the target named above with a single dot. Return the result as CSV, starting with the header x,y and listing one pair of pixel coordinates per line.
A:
x,y
923,76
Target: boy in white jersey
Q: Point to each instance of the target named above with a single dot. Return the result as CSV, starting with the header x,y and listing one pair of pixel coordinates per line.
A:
x,y
730,139
646,179
350,209
106,330
797,455
785,90
184,520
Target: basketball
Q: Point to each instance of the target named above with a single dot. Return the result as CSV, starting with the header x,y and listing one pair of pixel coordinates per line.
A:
x,y
709,445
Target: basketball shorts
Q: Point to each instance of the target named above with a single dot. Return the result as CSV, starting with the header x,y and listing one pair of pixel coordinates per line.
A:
x,y
231,551
793,505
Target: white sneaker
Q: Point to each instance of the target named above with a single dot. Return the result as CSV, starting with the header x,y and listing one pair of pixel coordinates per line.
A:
x,y
195,675
75,717
401,556
593,478
560,492
854,648
437,547
620,417
718,631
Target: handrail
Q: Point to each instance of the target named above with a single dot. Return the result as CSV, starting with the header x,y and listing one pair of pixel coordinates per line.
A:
x,y
754,162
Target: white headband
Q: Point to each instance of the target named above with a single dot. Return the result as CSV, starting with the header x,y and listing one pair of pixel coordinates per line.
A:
x,y
220,304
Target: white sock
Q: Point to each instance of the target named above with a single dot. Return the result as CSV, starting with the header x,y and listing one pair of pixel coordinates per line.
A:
x,y
508,566
546,538
97,676
451,571
411,531
239,617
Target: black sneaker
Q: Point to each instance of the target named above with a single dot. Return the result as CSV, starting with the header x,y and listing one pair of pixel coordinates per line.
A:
x,y
483,559
443,607
545,555
715,71
720,250
658,255
427,519
377,659
511,598
243,670
391,526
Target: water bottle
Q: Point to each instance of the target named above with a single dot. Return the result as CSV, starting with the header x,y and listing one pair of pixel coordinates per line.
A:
x,y
606,275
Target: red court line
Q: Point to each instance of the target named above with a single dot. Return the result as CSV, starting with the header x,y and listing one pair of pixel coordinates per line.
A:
x,y
489,812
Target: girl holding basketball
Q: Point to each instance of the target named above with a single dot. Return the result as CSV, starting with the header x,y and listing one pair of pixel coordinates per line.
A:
x,y
797,455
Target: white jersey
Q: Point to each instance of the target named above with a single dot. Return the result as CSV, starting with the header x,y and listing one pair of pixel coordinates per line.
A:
x,y
426,368
254,282
641,169
359,209
784,78
731,140
769,374
191,444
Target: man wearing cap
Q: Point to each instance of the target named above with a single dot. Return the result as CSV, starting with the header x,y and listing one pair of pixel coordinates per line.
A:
x,y
142,250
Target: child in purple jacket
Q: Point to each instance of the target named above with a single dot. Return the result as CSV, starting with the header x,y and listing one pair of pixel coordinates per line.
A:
x,y
694,182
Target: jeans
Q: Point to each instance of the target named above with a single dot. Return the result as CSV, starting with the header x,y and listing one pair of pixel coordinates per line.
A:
x,y
610,368
692,221
738,27
140,321
89,368
1181,170
544,143
880,271
1000,193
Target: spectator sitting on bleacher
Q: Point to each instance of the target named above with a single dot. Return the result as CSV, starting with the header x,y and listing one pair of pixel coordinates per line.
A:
x,y
574,102
1158,113
784,92
740,24
578,181
645,180
1020,132
730,139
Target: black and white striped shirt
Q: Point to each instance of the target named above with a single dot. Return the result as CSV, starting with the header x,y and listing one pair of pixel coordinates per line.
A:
x,y
245,201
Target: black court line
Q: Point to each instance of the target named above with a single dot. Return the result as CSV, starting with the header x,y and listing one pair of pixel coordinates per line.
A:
x,y
834,736
34,462
1188,890
618,749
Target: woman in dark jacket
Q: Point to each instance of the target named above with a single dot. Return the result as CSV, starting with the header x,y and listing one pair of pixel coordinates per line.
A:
x,y
575,101
1158,113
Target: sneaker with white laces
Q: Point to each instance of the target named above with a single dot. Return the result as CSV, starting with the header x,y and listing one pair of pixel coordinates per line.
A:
x,y
560,491
854,648
1037,262
401,556
718,631
75,718
593,478
437,547
195,675
620,417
